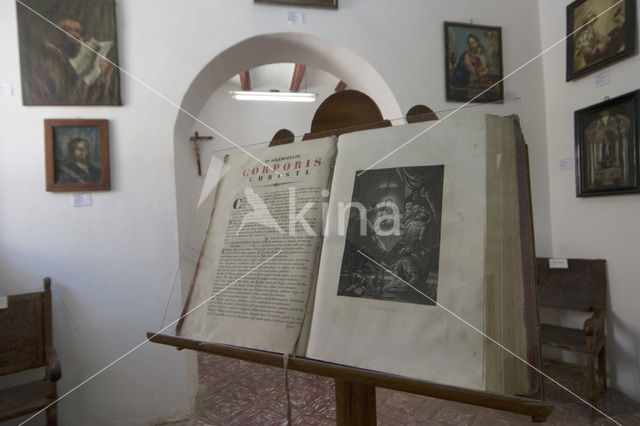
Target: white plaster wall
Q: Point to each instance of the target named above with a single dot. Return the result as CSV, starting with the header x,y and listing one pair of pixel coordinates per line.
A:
x,y
597,227
113,264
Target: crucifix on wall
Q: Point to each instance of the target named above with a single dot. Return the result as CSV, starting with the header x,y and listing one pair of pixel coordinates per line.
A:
x,y
196,139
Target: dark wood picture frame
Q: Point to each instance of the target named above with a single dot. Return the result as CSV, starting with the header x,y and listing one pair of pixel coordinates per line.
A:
x,y
609,38
326,4
77,155
466,74
607,146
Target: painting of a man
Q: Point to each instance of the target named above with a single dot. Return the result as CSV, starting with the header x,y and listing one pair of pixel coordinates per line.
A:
x,y
59,62
77,155
77,168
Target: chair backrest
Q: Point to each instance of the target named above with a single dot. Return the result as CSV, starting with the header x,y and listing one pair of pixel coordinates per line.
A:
x,y
25,331
580,287
344,112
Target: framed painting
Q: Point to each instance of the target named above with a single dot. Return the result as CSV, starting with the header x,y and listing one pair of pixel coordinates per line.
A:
x,y
599,32
473,62
58,60
607,146
77,155
330,4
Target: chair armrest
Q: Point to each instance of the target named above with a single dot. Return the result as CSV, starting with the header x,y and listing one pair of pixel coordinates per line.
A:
x,y
52,368
593,324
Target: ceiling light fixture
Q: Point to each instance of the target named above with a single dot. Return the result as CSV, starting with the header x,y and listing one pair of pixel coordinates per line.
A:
x,y
273,96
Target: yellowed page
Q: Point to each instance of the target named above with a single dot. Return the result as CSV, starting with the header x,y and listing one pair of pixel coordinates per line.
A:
x,y
260,299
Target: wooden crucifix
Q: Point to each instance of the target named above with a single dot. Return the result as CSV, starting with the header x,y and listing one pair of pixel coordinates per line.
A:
x,y
196,139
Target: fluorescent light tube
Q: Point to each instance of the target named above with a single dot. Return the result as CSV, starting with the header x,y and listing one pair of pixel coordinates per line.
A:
x,y
273,96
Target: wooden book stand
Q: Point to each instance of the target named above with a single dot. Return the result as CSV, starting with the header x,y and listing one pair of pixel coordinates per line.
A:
x,y
348,111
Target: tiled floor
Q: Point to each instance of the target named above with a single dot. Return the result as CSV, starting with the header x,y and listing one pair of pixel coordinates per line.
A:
x,y
240,393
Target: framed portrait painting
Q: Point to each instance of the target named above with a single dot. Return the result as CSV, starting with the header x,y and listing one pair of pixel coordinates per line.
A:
x,y
77,155
599,32
607,147
58,60
473,62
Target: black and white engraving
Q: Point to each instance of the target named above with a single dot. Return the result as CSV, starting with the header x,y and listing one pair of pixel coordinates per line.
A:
x,y
395,219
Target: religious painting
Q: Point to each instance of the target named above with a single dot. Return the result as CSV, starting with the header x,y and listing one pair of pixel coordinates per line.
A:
x,y
392,248
607,147
77,155
473,63
330,4
599,32
68,52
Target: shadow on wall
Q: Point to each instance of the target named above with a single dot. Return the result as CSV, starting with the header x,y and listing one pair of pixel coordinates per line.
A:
x,y
623,345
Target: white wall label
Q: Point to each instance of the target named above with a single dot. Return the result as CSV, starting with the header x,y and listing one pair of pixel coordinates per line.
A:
x,y
81,200
602,78
295,17
510,95
558,264
6,89
566,164
4,302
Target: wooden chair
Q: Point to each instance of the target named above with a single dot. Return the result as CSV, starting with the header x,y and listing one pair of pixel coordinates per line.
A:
x,y
26,343
580,287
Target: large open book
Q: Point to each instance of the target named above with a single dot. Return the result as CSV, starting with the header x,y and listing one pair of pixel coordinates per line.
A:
x,y
400,263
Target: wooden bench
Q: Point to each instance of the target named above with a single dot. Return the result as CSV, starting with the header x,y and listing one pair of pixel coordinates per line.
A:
x,y
580,287
26,343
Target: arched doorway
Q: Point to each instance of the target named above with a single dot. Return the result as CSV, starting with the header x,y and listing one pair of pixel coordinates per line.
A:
x,y
317,52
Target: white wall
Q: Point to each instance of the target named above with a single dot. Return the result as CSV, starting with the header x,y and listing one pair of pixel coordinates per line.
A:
x,y
113,264
597,227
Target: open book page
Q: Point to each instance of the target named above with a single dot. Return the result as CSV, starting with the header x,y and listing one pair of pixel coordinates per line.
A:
x,y
258,214
375,300
87,63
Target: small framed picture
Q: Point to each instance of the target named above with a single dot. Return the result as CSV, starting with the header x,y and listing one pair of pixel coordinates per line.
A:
x,y
599,32
77,155
607,147
330,4
473,62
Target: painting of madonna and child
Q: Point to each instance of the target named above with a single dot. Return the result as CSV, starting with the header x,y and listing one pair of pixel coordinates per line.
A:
x,y
473,63
393,235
